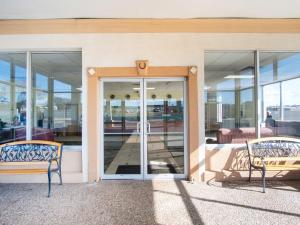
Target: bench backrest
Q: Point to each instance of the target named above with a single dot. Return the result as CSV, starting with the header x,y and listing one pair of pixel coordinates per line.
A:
x,y
28,151
274,147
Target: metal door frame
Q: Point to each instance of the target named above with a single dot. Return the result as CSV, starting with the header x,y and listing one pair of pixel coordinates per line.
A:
x,y
120,176
143,131
145,164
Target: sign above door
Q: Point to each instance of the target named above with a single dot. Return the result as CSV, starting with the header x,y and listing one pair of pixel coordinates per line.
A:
x,y
143,69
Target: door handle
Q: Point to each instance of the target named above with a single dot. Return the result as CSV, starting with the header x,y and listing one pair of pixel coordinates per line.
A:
x,y
138,126
148,128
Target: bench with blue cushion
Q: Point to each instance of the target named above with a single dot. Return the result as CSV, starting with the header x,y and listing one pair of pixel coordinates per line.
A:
x,y
45,156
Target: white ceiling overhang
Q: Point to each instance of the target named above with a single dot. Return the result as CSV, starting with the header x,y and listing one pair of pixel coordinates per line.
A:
x,y
53,9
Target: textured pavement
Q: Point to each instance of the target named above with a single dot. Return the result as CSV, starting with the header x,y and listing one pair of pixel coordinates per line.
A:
x,y
150,202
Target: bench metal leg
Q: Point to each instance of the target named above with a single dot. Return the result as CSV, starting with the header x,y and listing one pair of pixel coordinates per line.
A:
x,y
264,180
250,172
49,183
60,177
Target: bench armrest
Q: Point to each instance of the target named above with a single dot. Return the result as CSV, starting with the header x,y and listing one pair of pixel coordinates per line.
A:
x,y
254,158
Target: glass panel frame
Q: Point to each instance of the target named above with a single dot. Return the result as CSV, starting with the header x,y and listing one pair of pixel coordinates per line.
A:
x,y
279,113
102,134
147,134
259,76
56,102
235,85
13,97
143,136
27,82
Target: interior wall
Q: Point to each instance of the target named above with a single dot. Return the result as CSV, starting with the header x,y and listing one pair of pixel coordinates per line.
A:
x,y
108,50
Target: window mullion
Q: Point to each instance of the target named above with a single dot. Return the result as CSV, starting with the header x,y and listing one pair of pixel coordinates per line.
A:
x,y
28,97
257,95
281,103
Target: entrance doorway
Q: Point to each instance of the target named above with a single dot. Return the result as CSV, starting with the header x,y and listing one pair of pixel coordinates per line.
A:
x,y
143,128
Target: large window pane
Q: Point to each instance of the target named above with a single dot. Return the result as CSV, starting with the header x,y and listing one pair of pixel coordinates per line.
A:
x,y
291,100
121,123
229,102
12,97
57,112
271,100
279,84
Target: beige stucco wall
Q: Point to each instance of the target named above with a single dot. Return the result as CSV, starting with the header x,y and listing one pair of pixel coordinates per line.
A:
x,y
227,163
160,49
71,171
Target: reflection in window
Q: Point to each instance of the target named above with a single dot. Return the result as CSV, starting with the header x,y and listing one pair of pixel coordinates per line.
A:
x,y
20,75
4,70
165,127
121,111
271,98
229,102
56,94
280,93
121,115
41,101
291,100
246,108
5,102
12,97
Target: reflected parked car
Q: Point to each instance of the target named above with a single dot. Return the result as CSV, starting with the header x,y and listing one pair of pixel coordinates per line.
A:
x,y
157,109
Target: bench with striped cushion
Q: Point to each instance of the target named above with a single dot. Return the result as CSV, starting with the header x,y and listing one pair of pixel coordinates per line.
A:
x,y
44,156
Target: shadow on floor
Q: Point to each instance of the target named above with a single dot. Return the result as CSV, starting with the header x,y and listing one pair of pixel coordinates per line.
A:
x,y
195,216
190,207
248,186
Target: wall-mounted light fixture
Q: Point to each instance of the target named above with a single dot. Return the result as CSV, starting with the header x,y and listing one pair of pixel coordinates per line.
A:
x,y
91,71
193,69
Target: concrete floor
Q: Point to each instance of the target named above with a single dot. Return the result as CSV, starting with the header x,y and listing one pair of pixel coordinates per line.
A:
x,y
150,202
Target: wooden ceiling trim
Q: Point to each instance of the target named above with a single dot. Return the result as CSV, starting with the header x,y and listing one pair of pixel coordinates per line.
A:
x,y
51,26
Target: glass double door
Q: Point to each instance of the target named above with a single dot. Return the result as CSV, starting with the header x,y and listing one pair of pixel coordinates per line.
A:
x,y
143,128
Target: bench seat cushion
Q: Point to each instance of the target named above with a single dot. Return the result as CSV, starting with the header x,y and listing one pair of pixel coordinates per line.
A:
x,y
28,152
